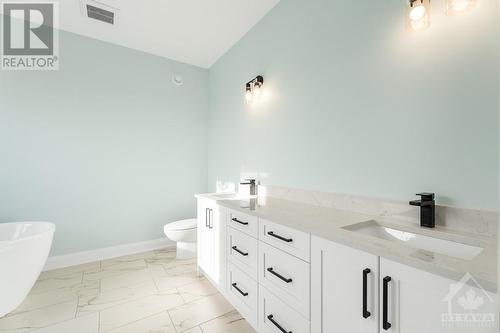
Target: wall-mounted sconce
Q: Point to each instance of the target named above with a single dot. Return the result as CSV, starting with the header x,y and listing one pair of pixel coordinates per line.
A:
x,y
253,89
455,7
418,16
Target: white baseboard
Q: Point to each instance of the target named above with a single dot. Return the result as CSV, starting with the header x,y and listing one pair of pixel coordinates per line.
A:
x,y
84,257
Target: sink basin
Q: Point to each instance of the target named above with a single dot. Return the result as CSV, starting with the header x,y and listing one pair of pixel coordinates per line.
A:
x,y
225,195
232,196
417,241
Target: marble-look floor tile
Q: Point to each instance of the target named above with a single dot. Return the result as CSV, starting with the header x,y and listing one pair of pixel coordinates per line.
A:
x,y
196,329
197,290
165,253
132,278
178,263
107,299
140,293
231,322
62,272
169,282
181,269
87,324
129,312
195,313
57,282
159,323
126,259
116,270
159,261
40,318
85,288
43,299
79,289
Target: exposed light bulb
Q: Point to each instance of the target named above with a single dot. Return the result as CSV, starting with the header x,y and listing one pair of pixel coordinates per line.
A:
x,y
248,96
417,13
257,90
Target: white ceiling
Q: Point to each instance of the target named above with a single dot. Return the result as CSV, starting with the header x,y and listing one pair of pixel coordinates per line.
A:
x,y
197,32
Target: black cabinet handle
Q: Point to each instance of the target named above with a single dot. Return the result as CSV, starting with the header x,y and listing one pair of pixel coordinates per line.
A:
x,y
234,219
366,313
239,251
210,218
235,286
270,317
288,240
385,299
271,270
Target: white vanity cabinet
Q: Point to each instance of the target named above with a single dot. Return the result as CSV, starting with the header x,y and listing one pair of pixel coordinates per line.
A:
x,y
419,301
285,280
344,289
211,241
354,291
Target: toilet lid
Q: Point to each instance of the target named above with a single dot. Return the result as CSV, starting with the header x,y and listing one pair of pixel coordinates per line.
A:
x,y
181,225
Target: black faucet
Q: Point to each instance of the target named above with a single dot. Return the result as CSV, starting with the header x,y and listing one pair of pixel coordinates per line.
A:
x,y
253,186
427,209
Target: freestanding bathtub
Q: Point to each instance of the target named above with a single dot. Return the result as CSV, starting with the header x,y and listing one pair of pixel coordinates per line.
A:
x,y
24,248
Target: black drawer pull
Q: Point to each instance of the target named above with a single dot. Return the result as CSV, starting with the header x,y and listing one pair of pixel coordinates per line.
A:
x,y
366,313
234,219
270,317
288,240
271,270
235,286
385,299
239,251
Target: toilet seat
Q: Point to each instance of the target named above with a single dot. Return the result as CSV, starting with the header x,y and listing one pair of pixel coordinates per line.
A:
x,y
181,225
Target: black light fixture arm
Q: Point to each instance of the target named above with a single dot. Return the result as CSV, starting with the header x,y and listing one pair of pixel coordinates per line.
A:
x,y
259,80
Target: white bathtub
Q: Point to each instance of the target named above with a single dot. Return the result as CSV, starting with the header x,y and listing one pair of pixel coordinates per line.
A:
x,y
24,248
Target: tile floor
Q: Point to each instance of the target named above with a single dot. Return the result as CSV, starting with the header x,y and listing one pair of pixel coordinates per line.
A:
x,y
149,292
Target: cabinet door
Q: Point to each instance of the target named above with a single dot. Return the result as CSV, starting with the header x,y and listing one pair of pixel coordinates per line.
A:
x,y
419,301
218,229
206,254
344,289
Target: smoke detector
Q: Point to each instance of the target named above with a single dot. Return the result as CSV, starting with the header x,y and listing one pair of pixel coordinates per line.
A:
x,y
99,11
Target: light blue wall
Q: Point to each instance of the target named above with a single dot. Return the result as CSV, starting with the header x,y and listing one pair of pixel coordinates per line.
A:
x,y
357,105
106,147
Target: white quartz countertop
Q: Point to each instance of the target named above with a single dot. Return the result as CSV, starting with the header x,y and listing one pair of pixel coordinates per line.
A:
x,y
328,223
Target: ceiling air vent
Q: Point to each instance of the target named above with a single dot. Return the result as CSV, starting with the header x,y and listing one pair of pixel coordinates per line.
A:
x,y
100,14
99,11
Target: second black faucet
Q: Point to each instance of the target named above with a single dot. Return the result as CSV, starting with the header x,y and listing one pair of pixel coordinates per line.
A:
x,y
427,209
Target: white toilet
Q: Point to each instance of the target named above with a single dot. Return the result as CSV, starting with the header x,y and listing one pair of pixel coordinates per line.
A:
x,y
184,233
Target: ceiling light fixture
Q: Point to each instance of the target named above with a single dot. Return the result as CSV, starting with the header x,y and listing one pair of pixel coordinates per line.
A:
x,y
456,7
418,15
253,89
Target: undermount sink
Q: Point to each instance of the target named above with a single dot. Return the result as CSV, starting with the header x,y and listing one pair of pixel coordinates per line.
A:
x,y
417,241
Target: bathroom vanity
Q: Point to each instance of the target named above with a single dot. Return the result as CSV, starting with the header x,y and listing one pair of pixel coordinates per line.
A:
x,y
289,267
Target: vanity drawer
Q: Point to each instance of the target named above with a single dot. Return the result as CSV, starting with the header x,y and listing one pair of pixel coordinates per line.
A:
x,y
243,251
276,316
289,240
286,276
243,222
242,292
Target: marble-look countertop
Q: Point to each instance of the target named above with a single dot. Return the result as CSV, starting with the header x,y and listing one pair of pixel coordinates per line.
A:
x,y
329,223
